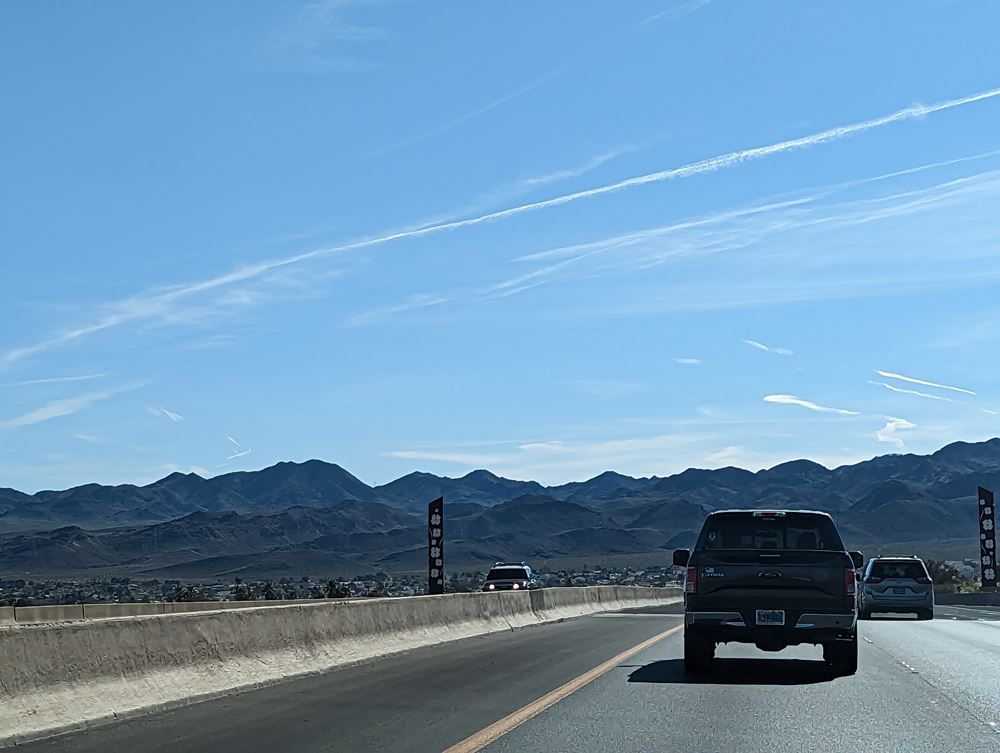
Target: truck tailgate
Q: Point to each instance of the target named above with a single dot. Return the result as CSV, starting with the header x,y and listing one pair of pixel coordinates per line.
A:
x,y
805,580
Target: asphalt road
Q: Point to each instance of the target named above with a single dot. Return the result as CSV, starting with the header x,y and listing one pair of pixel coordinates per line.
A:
x,y
922,686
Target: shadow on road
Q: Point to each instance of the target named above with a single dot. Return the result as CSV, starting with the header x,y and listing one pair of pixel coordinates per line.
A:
x,y
737,672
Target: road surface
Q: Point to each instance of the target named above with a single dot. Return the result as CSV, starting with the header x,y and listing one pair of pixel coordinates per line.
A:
x,y
592,685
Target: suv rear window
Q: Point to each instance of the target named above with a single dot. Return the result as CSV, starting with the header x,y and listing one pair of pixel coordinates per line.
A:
x,y
507,573
898,569
790,531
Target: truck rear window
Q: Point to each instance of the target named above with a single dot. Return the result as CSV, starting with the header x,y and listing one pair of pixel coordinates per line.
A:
x,y
789,531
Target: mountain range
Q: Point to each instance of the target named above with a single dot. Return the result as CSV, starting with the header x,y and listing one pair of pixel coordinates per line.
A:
x,y
317,518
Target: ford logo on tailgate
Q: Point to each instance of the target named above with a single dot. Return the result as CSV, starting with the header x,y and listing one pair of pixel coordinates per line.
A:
x,y
768,574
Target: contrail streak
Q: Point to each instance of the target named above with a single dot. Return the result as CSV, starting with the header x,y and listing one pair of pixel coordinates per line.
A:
x,y
149,305
924,382
710,165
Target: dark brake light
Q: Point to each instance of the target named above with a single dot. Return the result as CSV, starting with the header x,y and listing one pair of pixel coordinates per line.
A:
x,y
924,581
850,581
691,582
872,580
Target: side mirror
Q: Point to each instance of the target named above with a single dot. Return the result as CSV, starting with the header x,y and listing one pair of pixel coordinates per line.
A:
x,y
858,559
681,557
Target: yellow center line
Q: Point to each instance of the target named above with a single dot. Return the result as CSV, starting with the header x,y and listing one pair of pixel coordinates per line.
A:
x,y
495,731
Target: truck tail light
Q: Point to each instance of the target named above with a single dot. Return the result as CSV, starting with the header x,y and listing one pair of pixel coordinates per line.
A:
x,y
872,580
850,582
691,582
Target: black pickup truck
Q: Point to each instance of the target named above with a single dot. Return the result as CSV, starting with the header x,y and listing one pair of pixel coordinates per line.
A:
x,y
774,578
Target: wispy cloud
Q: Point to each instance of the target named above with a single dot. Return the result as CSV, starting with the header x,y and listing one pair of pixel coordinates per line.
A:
x,y
159,410
770,269
714,164
319,37
688,361
517,188
470,115
910,392
411,303
888,433
675,12
924,382
768,349
792,400
88,438
538,181
558,461
64,407
212,342
167,305
597,49
555,461
55,380
157,304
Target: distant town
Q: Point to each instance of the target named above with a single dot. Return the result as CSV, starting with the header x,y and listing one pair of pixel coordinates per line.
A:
x,y
24,592
123,590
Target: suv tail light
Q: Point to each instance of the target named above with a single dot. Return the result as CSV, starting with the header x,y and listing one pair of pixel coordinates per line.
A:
x,y
924,581
850,582
872,580
691,582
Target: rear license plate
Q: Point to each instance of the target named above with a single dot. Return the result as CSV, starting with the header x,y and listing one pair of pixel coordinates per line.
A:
x,y
770,616
898,590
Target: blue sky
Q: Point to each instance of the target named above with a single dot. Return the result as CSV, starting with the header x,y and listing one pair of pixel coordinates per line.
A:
x,y
547,239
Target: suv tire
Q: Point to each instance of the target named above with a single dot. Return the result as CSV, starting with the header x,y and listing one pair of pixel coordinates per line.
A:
x,y
925,614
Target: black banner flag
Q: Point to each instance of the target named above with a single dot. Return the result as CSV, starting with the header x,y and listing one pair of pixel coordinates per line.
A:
x,y
435,546
987,538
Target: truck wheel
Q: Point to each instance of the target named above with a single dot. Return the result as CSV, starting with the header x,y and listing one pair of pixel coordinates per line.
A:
x,y
698,653
842,656
865,614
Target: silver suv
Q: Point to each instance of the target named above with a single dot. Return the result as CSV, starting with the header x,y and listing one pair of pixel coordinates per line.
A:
x,y
510,576
897,584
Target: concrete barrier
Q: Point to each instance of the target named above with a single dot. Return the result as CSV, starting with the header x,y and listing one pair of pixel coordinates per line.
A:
x,y
975,599
58,613
180,607
107,611
6,615
68,675
104,610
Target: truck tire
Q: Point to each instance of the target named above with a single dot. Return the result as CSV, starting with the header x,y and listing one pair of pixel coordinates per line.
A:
x,y
925,614
842,656
698,653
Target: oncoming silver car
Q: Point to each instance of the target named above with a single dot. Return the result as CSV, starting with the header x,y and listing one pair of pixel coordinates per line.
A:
x,y
897,584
